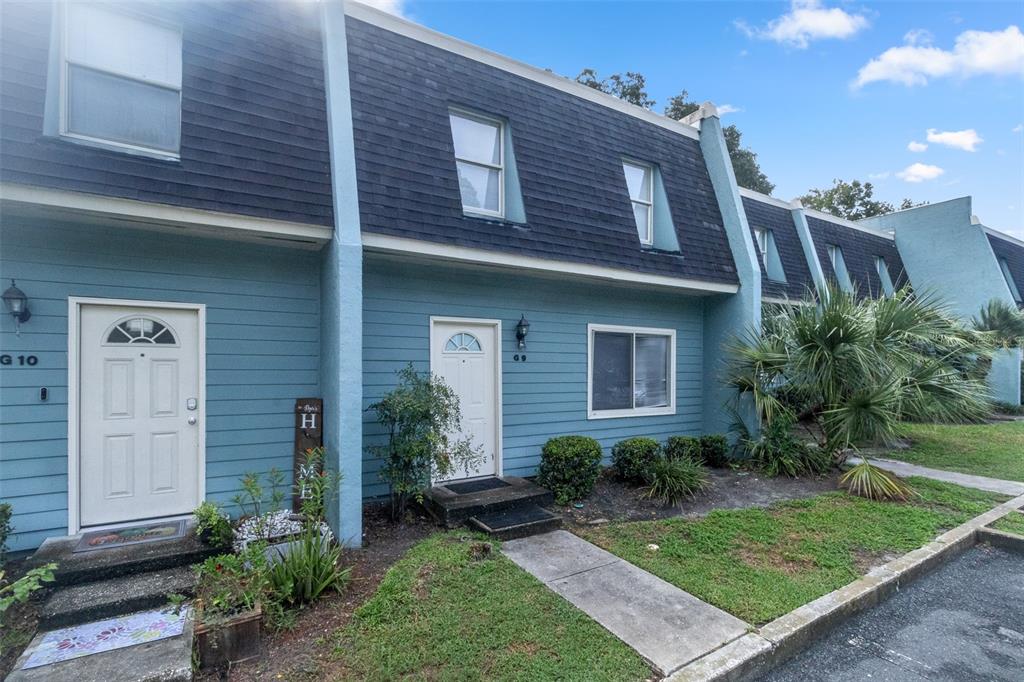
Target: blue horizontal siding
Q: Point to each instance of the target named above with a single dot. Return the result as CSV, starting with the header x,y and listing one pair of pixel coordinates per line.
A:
x,y
263,333
547,395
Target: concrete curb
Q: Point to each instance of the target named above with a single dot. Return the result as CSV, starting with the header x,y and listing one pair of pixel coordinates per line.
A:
x,y
758,652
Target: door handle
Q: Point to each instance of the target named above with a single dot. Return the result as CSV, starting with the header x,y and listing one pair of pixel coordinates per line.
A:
x,y
191,419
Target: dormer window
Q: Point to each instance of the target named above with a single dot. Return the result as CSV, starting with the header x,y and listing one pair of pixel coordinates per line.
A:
x,y
769,254
1008,276
883,275
640,182
835,255
480,161
118,81
762,245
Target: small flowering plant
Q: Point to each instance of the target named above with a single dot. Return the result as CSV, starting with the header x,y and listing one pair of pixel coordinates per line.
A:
x,y
230,584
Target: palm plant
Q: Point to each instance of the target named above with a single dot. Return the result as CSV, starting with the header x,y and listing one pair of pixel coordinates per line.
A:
x,y
1004,322
858,367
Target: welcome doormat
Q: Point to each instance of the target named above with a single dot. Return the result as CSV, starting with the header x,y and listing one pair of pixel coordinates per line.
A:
x,y
106,635
132,535
477,486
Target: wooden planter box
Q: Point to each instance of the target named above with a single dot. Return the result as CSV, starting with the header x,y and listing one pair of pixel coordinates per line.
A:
x,y
230,642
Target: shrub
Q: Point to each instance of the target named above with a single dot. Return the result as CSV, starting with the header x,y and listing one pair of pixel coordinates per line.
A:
x,y
679,447
5,528
673,480
569,466
714,450
634,458
213,526
309,568
778,452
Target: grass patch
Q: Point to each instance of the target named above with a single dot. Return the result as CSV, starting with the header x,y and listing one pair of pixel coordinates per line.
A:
x,y
995,450
454,608
1011,523
759,564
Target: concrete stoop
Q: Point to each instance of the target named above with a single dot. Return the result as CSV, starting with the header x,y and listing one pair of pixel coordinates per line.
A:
x,y
504,507
755,653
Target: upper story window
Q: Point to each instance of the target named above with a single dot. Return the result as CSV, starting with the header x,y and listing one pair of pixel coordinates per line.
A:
x,y
835,255
640,181
1005,267
762,245
119,80
632,371
769,254
883,275
480,161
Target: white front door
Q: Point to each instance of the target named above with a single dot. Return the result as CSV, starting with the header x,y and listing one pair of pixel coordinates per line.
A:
x,y
466,355
139,413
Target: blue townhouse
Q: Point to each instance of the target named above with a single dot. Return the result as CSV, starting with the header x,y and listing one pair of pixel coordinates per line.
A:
x,y
239,205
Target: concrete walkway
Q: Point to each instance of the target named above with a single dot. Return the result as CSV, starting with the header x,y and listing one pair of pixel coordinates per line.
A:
x,y
664,624
992,485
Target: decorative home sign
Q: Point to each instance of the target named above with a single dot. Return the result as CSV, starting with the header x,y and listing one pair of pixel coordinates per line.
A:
x,y
309,433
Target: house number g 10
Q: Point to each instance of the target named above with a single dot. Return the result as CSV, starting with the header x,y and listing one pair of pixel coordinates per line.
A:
x,y
29,360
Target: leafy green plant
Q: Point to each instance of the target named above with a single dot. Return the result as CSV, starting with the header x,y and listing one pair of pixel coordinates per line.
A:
x,y
1003,321
867,480
1009,408
6,511
19,591
714,450
778,451
634,458
420,416
315,485
254,500
213,526
678,447
230,584
569,467
856,367
308,568
673,480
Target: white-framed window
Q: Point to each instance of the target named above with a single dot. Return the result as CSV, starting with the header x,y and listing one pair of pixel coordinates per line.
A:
x,y
480,161
883,275
1008,276
631,371
640,182
762,245
120,80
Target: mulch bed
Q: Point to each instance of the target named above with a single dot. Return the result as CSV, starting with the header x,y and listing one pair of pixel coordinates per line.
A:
x,y
614,500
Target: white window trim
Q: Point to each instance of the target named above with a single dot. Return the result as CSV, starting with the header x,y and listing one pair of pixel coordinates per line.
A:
x,y
648,170
762,245
636,411
62,95
473,210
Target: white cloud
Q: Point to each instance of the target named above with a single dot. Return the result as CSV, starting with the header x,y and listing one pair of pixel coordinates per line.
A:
x,y
396,7
724,109
918,36
806,22
974,53
879,176
919,172
968,140
1017,128
917,146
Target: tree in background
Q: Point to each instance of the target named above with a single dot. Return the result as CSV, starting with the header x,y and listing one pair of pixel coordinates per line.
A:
x,y
851,200
631,88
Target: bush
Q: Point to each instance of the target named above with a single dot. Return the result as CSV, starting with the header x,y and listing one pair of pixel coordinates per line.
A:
x,y
213,526
5,528
673,480
714,450
308,569
777,451
634,458
679,447
569,466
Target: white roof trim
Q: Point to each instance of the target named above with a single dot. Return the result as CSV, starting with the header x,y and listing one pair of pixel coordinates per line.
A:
x,y
26,200
765,199
432,250
1003,236
395,24
828,217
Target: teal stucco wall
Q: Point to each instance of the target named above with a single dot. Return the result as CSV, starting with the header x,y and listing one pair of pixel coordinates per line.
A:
x,y
546,395
262,349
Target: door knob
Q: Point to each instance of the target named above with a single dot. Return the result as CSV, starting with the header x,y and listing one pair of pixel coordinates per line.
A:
x,y
191,419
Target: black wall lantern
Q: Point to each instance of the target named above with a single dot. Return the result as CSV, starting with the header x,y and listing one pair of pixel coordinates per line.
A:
x,y
522,329
16,303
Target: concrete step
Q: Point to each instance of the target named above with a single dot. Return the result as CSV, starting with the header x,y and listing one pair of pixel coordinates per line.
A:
x,y
84,567
519,522
114,597
452,504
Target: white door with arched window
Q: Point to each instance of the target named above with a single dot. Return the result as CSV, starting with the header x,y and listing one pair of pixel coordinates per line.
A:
x,y
467,355
139,412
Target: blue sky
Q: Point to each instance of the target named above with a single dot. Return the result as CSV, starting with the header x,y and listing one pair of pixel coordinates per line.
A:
x,y
823,89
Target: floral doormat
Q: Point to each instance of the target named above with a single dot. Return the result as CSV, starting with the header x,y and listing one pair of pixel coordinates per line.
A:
x,y
106,635
133,535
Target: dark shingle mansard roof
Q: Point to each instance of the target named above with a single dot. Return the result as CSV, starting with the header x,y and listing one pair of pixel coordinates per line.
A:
x,y
767,216
859,250
568,154
1013,253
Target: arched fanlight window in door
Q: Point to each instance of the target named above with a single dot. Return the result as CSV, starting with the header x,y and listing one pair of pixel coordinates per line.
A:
x,y
136,330
463,342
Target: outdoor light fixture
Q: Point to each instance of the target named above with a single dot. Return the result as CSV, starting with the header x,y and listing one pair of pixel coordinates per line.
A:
x,y
522,329
16,303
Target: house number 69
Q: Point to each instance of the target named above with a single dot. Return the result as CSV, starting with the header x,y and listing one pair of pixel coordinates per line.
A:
x,y
30,360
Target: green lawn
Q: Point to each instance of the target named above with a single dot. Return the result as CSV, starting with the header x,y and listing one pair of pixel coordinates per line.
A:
x,y
995,450
759,564
444,613
1011,523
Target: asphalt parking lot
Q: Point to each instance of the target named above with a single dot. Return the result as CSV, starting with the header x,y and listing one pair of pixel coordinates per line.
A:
x,y
961,623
